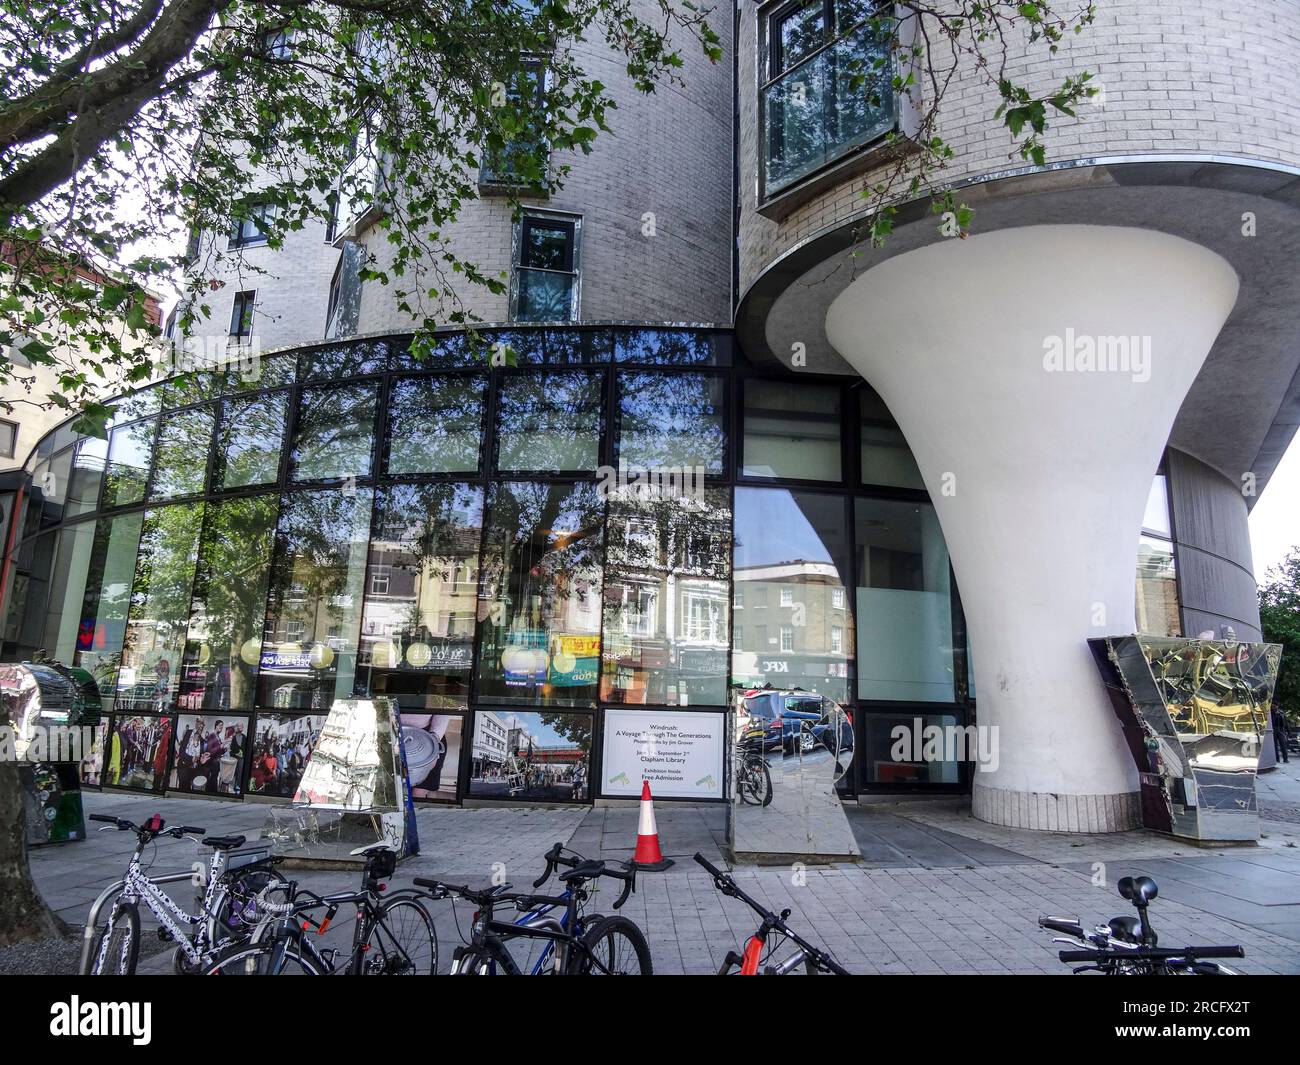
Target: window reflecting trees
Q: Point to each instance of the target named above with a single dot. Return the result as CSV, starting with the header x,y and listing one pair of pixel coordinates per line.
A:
x,y
539,612
313,613
223,648
417,629
160,608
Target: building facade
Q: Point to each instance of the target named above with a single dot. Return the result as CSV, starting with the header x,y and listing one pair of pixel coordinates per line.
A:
x,y
658,508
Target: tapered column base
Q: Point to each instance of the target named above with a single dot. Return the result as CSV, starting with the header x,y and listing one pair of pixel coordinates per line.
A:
x,y
1048,812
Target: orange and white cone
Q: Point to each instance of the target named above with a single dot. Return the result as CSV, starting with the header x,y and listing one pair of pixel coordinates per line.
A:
x,y
648,855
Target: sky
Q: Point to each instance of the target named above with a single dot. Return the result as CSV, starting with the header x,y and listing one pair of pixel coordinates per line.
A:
x,y
1275,521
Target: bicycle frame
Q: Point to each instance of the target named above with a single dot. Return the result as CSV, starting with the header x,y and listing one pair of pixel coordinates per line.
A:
x,y
180,925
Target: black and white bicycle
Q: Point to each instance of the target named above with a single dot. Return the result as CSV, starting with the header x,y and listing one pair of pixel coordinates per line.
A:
x,y
227,910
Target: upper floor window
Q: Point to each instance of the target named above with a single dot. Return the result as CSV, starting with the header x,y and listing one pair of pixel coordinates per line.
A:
x,y
275,43
515,155
8,439
250,225
546,269
241,315
827,88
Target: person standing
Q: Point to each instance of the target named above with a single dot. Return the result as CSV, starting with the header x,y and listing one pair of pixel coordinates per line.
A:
x,y
1281,735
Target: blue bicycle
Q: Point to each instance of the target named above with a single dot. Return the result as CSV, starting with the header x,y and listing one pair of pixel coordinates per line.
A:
x,y
574,943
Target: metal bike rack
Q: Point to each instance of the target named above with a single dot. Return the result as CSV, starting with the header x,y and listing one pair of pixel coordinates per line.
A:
x,y
92,919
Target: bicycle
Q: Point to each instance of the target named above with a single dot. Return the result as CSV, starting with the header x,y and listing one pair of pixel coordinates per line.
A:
x,y
1128,946
227,909
753,777
393,936
813,959
574,943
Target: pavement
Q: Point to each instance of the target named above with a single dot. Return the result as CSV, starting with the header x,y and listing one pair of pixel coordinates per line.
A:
x,y
935,892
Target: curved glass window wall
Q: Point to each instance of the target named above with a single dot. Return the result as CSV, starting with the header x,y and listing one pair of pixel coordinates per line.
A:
x,y
629,518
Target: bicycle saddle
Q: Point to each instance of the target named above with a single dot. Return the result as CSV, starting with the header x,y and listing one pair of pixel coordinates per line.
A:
x,y
584,871
223,843
1138,890
371,848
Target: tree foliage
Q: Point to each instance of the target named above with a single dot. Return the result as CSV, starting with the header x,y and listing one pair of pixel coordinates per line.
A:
x,y
127,124
1279,615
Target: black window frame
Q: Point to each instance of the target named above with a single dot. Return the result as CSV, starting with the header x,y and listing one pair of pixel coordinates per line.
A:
x,y
573,258
246,232
241,315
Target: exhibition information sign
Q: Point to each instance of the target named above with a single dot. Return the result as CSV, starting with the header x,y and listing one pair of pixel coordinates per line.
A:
x,y
680,754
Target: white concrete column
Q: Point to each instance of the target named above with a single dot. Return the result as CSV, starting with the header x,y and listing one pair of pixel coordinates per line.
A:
x,y
1039,467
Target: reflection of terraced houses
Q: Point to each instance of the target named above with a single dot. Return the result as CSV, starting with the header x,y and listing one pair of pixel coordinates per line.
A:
x,y
490,745
918,517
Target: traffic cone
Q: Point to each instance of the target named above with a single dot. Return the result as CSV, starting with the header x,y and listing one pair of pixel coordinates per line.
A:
x,y
648,855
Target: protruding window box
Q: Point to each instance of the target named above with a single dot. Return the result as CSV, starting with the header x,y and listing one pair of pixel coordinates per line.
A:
x,y
826,108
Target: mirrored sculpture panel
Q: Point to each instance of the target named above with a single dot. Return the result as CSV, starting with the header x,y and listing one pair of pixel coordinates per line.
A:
x,y
1193,713
791,749
354,790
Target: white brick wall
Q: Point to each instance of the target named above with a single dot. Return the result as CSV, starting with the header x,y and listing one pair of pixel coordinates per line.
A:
x,y
670,152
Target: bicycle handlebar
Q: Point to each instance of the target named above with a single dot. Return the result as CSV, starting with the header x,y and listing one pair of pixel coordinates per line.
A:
x,y
123,825
1152,954
555,856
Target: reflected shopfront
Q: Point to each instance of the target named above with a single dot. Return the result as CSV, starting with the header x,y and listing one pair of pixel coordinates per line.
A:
x,y
628,520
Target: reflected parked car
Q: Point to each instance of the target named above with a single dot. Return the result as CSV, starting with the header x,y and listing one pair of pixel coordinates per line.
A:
x,y
797,721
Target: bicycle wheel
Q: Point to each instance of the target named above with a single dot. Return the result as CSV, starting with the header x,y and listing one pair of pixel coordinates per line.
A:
x,y
246,959
117,946
615,947
761,782
402,941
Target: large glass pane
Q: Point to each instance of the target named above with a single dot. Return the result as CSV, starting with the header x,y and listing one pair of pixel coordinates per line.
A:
x,y
666,600
1157,588
793,623
539,614
672,347
417,629
907,748
800,32
435,425
824,107
252,436
792,430
87,475
67,589
336,361
160,609
180,466
129,450
672,420
905,648
51,482
549,421
886,458
1156,519
108,598
224,643
335,434
313,612
531,756
544,296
